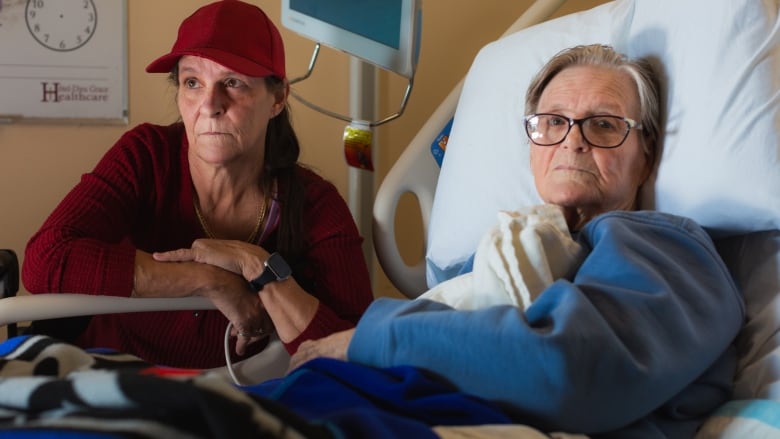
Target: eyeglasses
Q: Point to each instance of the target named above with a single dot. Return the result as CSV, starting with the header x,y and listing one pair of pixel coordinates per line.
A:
x,y
601,131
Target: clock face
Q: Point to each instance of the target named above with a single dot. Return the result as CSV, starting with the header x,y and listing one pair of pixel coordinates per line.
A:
x,y
61,25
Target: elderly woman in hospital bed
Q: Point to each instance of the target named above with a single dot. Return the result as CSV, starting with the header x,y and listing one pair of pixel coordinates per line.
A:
x,y
579,173
630,345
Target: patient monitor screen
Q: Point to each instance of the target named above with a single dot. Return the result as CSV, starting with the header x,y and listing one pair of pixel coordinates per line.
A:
x,y
378,20
382,32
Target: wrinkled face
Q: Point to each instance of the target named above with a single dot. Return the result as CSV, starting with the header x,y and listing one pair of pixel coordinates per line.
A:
x,y
225,113
574,174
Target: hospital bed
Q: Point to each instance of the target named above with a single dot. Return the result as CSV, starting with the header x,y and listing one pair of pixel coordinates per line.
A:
x,y
719,164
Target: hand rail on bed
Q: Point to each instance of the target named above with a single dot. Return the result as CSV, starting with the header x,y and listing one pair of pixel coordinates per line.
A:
x,y
416,172
47,306
271,362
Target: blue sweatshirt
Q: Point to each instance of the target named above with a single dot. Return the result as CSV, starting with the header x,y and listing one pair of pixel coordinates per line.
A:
x,y
638,344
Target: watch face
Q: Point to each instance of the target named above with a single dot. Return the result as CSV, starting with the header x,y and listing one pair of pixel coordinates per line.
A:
x,y
61,25
279,266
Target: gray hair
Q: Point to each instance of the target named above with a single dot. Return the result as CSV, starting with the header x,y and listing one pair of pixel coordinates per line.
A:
x,y
601,55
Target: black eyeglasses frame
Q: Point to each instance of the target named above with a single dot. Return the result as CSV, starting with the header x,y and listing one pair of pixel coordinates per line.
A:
x,y
630,124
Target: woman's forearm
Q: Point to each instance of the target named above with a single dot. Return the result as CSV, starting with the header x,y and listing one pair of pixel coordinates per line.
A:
x,y
228,291
175,279
290,307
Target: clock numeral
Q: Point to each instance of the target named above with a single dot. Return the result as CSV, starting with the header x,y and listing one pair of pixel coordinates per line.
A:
x,y
37,4
32,13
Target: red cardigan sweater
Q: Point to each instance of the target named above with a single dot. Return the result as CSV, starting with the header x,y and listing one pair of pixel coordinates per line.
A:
x,y
139,196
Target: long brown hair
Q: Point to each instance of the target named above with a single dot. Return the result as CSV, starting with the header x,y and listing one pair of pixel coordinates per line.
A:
x,y
282,151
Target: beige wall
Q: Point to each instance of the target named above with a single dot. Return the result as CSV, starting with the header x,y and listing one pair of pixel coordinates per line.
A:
x,y
40,163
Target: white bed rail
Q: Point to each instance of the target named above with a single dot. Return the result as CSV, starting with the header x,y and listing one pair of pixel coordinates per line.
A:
x,y
48,306
416,172
272,362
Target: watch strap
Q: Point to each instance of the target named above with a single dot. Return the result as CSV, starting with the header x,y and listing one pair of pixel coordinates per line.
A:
x,y
265,277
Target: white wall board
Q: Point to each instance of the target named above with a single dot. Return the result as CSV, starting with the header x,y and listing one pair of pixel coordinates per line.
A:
x,y
63,61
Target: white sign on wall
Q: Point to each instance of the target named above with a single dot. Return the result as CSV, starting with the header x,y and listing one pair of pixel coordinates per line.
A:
x,y
63,60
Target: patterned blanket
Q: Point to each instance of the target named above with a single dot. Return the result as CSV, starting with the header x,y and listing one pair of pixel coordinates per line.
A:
x,y
49,388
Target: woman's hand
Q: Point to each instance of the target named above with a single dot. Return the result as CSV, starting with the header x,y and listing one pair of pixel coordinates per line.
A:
x,y
332,346
252,332
291,309
232,296
238,257
214,271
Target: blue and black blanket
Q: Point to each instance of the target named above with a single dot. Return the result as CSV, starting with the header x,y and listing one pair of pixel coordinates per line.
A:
x,y
49,388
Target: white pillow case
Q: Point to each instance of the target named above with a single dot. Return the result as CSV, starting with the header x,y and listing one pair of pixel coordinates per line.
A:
x,y
720,160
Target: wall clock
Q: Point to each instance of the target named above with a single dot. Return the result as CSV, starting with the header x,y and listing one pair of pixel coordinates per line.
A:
x,y
61,25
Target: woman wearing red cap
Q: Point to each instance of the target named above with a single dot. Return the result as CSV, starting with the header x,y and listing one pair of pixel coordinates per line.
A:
x,y
216,205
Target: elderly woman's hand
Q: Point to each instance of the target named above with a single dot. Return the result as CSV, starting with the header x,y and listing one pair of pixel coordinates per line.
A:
x,y
332,346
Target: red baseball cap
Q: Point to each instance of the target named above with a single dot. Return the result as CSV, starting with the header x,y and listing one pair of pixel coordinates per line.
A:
x,y
232,33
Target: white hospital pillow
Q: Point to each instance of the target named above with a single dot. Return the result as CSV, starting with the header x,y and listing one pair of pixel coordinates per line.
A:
x,y
721,155
754,261
720,160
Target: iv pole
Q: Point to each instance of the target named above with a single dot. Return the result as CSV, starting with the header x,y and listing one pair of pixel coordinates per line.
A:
x,y
362,105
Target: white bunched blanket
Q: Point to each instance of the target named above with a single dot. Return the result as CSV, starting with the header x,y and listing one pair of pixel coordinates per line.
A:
x,y
515,261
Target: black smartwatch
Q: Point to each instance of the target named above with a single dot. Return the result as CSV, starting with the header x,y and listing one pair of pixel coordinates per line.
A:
x,y
276,269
